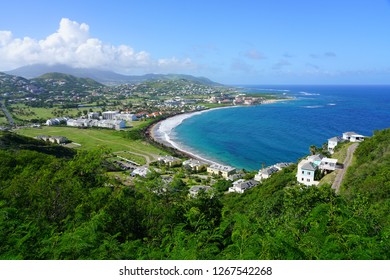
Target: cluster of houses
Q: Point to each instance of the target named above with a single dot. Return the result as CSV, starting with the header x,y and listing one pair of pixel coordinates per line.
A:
x,y
227,172
310,166
347,136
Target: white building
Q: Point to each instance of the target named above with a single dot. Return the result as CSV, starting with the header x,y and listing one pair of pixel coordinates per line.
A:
x,y
126,117
332,143
169,160
265,173
241,186
140,171
194,190
328,164
308,167
353,137
195,165
305,173
93,115
221,170
109,115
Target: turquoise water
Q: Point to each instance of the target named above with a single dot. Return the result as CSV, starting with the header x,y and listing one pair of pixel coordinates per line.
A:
x,y
246,137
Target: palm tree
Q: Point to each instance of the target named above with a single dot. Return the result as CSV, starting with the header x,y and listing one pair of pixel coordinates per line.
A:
x,y
313,149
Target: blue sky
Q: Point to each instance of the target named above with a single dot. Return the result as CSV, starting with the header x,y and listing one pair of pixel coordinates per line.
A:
x,y
232,42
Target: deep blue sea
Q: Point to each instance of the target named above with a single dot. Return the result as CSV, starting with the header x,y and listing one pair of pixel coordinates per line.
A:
x,y
246,137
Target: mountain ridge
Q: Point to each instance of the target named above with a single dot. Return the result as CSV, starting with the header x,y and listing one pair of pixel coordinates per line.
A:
x,y
102,76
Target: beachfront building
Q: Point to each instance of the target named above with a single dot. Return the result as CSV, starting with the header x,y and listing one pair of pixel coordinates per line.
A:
x,y
309,166
221,170
195,165
194,190
169,160
242,185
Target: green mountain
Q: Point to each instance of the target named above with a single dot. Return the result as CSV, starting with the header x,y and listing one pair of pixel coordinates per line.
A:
x,y
66,79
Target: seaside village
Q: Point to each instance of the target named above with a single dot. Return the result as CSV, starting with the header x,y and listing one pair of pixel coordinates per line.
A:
x,y
309,169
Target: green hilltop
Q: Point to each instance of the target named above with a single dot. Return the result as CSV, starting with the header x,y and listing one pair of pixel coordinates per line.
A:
x,y
68,208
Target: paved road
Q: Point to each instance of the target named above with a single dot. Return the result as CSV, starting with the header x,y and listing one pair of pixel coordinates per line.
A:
x,y
339,177
7,114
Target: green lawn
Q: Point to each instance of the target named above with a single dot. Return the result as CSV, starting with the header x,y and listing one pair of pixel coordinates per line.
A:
x,y
99,138
24,112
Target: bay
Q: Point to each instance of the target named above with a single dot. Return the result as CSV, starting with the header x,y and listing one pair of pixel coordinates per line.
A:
x,y
247,137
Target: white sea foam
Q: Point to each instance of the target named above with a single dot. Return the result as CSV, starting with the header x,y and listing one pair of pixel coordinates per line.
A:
x,y
313,106
308,93
331,104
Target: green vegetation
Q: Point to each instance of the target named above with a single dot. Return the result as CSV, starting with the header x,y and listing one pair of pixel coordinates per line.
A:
x,y
90,139
55,206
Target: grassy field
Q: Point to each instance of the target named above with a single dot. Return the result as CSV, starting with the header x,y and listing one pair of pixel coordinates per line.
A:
x,y
138,151
24,112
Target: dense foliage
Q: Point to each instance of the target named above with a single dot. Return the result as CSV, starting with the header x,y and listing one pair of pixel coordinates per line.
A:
x,y
61,207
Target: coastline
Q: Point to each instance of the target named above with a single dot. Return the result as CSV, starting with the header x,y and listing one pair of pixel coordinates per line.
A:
x,y
160,131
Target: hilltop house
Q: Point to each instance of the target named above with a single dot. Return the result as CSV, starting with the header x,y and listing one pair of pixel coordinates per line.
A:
x,y
221,170
308,167
353,137
347,136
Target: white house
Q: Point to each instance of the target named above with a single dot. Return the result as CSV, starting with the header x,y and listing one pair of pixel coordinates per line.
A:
x,y
140,171
332,143
194,190
305,173
353,137
265,173
195,165
328,164
221,170
241,186
169,160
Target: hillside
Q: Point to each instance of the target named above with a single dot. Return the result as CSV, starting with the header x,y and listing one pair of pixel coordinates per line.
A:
x,y
58,208
50,78
102,76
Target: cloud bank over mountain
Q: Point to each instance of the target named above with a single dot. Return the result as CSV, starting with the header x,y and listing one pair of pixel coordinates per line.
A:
x,y
73,45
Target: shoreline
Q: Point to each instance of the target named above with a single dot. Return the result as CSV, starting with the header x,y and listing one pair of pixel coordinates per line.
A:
x,y
172,122
160,135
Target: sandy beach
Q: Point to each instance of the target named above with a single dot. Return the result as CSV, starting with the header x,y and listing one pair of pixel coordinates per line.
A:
x,y
161,131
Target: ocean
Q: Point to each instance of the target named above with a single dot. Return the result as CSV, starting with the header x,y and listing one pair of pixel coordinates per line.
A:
x,y
248,136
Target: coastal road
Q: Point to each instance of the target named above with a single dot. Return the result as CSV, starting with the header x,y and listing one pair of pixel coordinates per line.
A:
x,y
339,177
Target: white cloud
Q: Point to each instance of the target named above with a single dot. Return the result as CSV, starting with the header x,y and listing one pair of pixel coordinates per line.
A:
x,y
72,44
